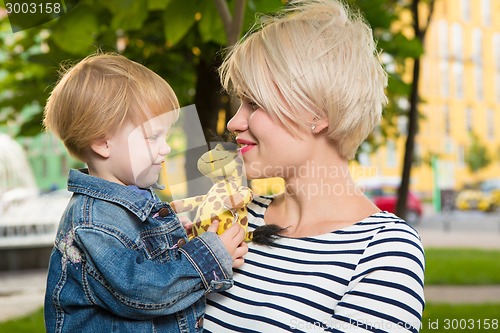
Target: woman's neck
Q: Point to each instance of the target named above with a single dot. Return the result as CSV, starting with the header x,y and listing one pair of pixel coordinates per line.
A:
x,y
319,203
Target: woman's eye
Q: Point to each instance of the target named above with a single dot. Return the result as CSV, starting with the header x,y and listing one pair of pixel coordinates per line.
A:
x,y
254,106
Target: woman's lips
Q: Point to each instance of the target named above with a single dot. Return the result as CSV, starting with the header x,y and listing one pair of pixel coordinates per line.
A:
x,y
245,148
245,145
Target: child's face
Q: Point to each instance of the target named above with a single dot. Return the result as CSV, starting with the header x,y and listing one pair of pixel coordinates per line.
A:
x,y
137,152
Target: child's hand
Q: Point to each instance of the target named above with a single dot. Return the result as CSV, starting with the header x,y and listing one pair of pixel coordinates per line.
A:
x,y
233,241
187,224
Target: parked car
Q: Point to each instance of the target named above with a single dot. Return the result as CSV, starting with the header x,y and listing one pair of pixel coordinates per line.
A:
x,y
484,196
384,196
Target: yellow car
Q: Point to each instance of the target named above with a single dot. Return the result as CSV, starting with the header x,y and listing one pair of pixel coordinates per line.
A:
x,y
476,200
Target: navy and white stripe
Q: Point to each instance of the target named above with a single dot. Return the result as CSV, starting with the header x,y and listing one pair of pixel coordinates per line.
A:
x,y
364,278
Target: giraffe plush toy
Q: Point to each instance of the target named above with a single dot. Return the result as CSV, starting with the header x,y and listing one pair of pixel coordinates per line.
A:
x,y
226,200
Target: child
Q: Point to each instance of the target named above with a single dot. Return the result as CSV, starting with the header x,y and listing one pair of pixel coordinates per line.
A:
x,y
121,262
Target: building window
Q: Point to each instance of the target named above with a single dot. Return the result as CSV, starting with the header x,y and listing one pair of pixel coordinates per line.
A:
x,y
466,10
490,124
486,12
447,124
403,124
457,41
477,46
443,38
478,78
496,51
468,119
445,78
497,86
461,155
391,154
458,69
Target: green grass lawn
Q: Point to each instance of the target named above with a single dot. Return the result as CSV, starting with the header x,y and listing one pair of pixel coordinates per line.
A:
x,y
462,266
461,318
32,323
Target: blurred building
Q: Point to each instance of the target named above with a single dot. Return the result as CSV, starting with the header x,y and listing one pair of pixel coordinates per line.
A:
x,y
49,160
460,93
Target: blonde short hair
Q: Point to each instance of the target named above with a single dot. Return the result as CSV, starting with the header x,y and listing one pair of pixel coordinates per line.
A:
x,y
314,59
98,95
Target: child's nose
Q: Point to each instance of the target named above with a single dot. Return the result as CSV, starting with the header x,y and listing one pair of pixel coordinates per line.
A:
x,y
164,149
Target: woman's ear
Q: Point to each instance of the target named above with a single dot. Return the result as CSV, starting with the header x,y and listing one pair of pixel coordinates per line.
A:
x,y
319,125
101,148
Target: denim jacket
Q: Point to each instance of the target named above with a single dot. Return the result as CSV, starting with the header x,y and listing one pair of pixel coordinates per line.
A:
x,y
121,263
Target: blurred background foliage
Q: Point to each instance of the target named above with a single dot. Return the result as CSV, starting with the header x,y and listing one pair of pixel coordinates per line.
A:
x,y
181,40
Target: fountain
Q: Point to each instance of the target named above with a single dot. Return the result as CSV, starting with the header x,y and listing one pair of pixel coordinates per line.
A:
x,y
28,218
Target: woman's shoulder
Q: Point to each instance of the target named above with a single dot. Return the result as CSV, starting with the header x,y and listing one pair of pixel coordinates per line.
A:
x,y
388,222
393,233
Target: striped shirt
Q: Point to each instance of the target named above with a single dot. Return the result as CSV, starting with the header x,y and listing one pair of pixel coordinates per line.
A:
x,y
368,277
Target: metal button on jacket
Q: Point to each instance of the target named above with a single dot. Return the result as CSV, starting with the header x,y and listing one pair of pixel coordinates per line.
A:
x,y
181,242
163,212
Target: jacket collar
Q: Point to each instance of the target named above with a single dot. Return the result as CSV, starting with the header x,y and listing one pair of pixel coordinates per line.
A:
x,y
79,181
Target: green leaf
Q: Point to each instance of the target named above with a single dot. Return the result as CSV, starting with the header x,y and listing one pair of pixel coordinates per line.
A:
x,y
127,14
75,32
398,86
158,4
404,47
178,19
210,25
264,6
256,8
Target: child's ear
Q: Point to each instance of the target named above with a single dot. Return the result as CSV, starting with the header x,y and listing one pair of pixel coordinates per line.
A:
x,y
101,148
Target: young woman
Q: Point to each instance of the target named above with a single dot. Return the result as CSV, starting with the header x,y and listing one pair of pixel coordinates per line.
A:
x,y
312,89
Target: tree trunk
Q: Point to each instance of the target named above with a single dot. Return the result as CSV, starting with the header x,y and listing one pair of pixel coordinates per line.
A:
x,y
410,143
413,112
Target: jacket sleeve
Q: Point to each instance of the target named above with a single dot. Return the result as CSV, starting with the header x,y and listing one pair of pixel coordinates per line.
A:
x,y
120,279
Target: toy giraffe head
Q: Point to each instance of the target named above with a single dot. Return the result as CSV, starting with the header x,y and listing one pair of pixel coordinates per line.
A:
x,y
220,163
226,200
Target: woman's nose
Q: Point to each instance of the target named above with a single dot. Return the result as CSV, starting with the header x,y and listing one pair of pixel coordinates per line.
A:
x,y
239,122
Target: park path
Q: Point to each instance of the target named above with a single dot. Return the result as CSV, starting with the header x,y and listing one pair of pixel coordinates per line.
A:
x,y
462,239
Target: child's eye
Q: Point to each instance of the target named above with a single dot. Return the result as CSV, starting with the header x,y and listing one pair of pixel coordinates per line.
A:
x,y
153,137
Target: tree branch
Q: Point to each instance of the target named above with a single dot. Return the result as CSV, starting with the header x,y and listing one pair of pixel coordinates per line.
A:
x,y
225,15
431,10
238,16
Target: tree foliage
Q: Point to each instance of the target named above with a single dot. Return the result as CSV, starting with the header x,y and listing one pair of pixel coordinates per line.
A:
x,y
477,156
181,40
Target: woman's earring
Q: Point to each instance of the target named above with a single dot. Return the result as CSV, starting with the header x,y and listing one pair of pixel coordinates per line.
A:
x,y
313,127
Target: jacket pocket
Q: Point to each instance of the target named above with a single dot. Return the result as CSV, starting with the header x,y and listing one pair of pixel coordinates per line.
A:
x,y
157,243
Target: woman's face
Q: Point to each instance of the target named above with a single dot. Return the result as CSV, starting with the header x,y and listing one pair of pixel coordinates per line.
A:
x,y
267,147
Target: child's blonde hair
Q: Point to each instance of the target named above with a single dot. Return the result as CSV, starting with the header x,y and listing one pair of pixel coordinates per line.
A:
x,y
315,59
98,95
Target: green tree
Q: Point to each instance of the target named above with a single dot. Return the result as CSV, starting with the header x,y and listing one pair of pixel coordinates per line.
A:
x,y
181,40
477,156
419,30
